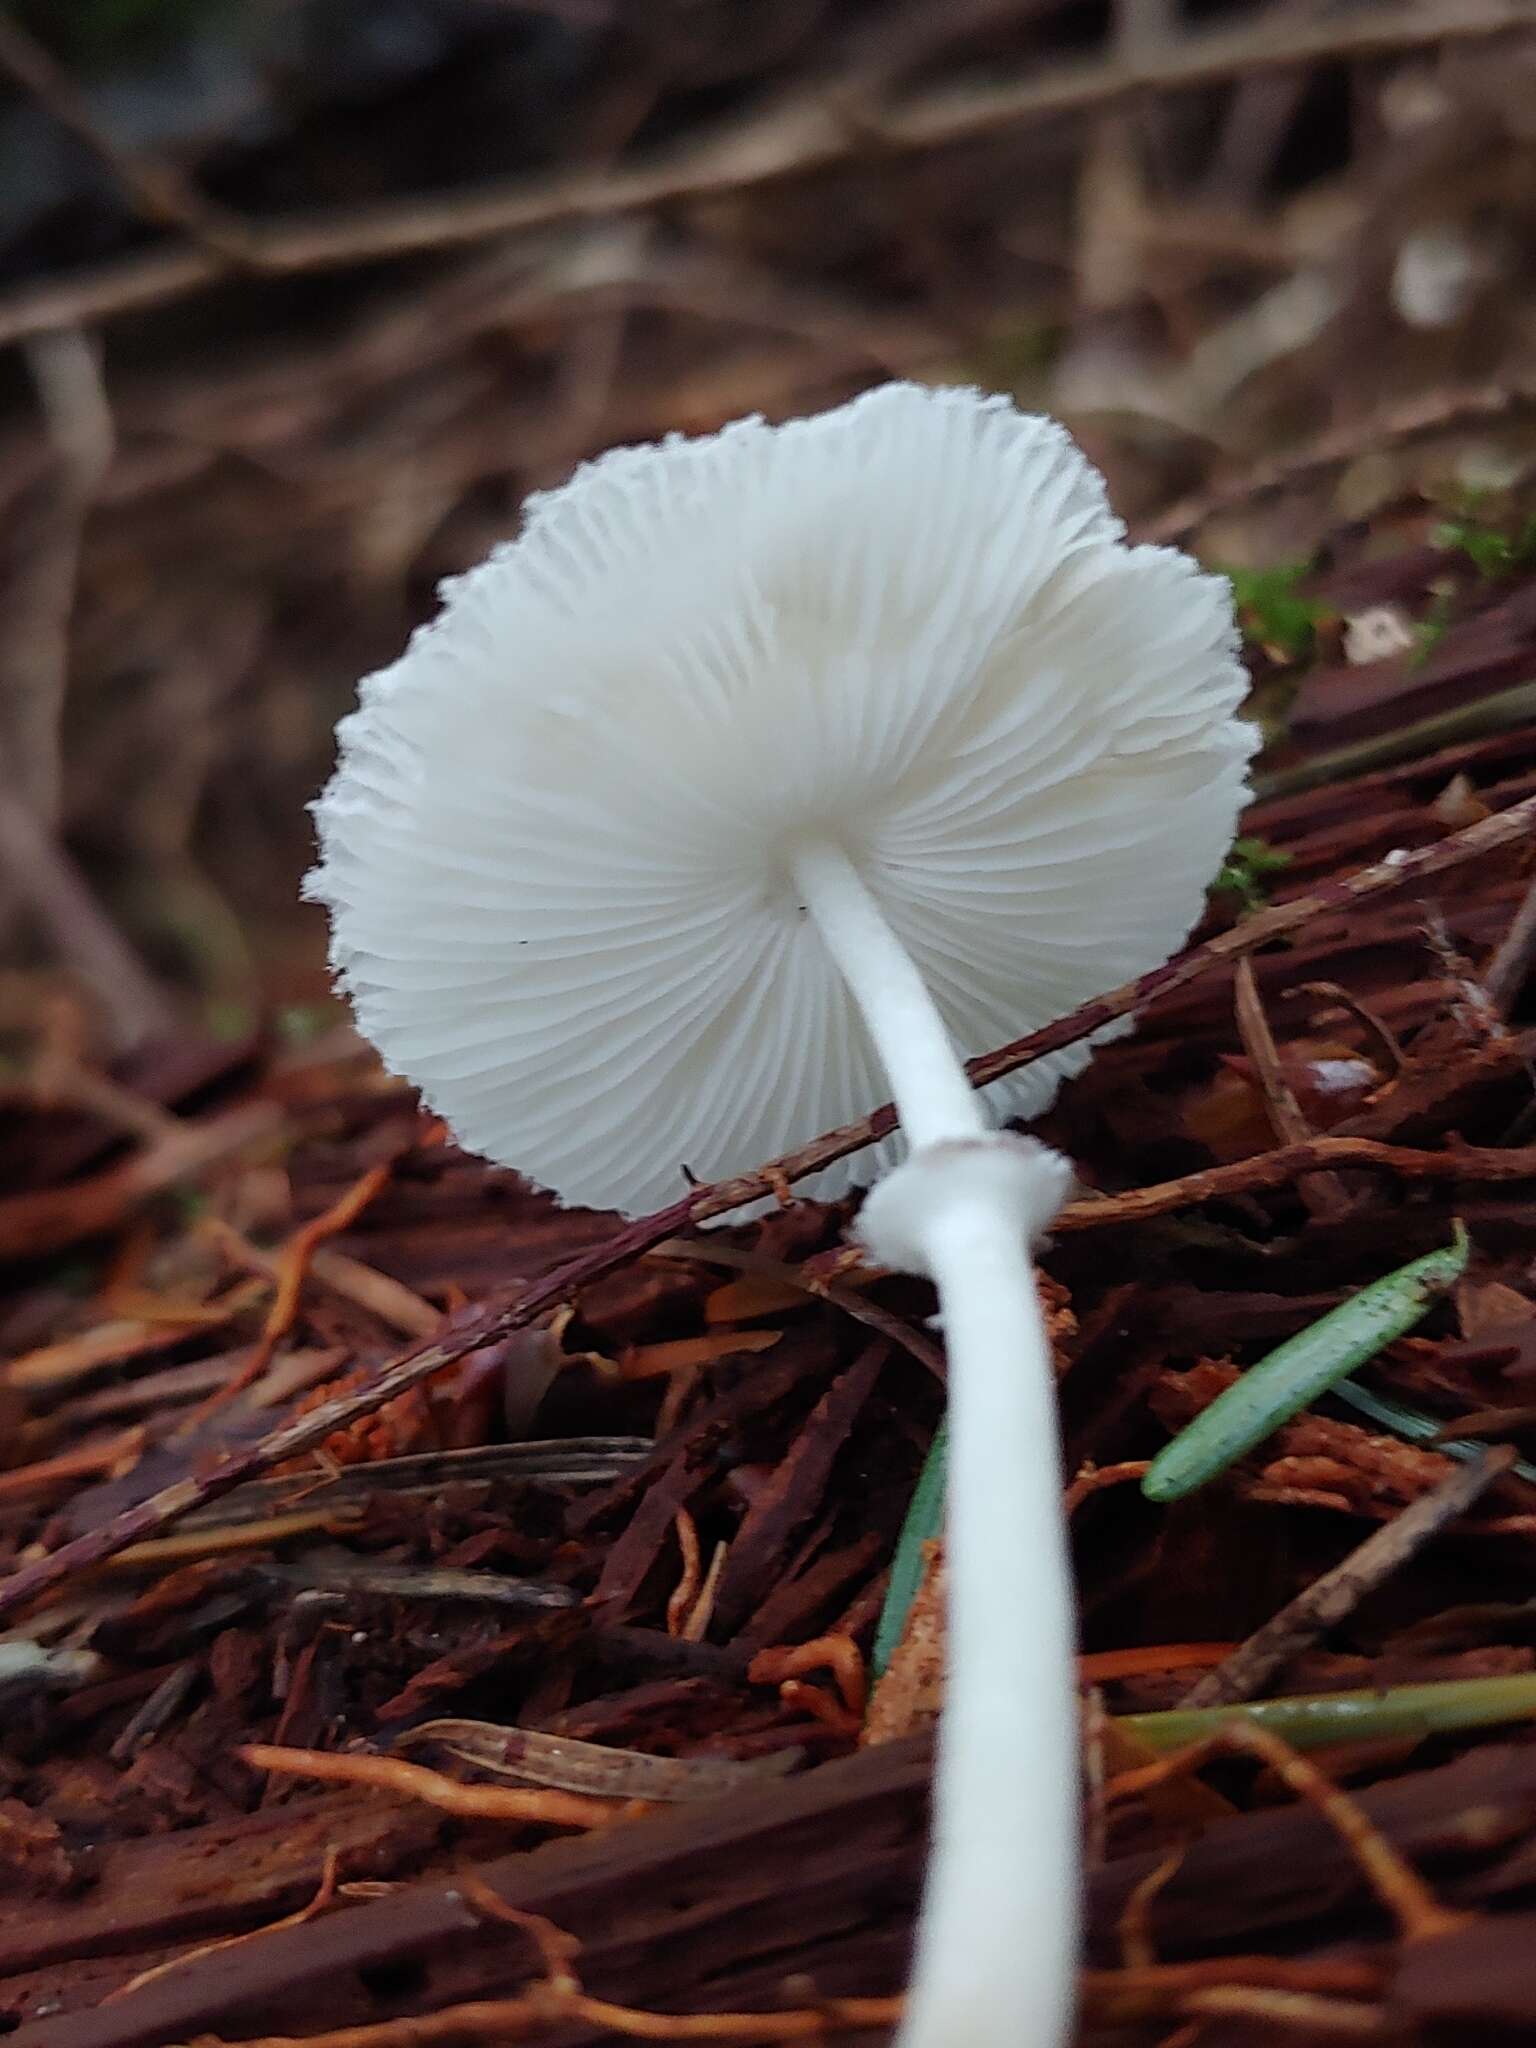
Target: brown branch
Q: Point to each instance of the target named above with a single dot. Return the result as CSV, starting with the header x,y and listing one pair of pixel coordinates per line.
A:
x,y
37,875
1326,1602
1323,1193
46,1219
41,876
1274,1169
39,601
1440,412
1398,1886
501,2020
788,140
155,190
1508,971
1290,1163
817,1287
1382,1033
534,1807
1481,718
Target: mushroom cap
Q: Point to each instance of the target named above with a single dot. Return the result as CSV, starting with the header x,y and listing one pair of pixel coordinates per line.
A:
x,y
556,849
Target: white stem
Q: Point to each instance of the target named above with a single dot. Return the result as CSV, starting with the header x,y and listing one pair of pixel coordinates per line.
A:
x,y
930,1088
997,1943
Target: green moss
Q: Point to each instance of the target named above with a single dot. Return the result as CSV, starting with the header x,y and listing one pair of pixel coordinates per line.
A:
x,y
1494,550
1247,870
1272,611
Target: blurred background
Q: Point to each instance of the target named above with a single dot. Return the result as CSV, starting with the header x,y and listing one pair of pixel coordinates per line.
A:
x,y
298,298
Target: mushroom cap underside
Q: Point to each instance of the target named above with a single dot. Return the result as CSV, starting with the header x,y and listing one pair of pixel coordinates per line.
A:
x,y
557,848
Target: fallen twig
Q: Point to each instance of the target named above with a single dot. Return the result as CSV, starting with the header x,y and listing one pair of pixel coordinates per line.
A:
x,y
49,1218
1507,972
1325,1603
817,1288
513,2019
293,1264
1439,412
1401,1890
1288,1163
523,1807
837,1654
1322,1192
157,191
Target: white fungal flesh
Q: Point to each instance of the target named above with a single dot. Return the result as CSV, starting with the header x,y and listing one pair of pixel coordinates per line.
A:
x,y
997,1945
558,852
757,765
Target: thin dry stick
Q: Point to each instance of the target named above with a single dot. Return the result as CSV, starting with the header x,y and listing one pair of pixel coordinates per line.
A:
x,y
1382,1033
1325,1603
293,1440
35,1224
1507,972
1396,1883
323,1899
1125,1996
789,140
1278,1169
1138,1951
407,1313
40,873
1321,1192
696,1622
156,190
35,870
65,369
293,1266
686,1591
498,2020
522,1807
1304,2010
1440,412
848,1299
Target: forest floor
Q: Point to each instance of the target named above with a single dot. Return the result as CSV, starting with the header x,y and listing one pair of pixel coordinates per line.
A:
x,y
434,1615
549,1582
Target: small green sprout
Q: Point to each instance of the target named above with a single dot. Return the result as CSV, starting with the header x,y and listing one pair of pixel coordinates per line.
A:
x,y
1272,612
1246,871
1493,550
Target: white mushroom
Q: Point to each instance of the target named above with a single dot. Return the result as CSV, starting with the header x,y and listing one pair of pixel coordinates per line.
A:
x,y
760,766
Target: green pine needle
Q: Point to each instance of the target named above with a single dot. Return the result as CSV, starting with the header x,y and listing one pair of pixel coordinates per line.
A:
x,y
1306,1366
